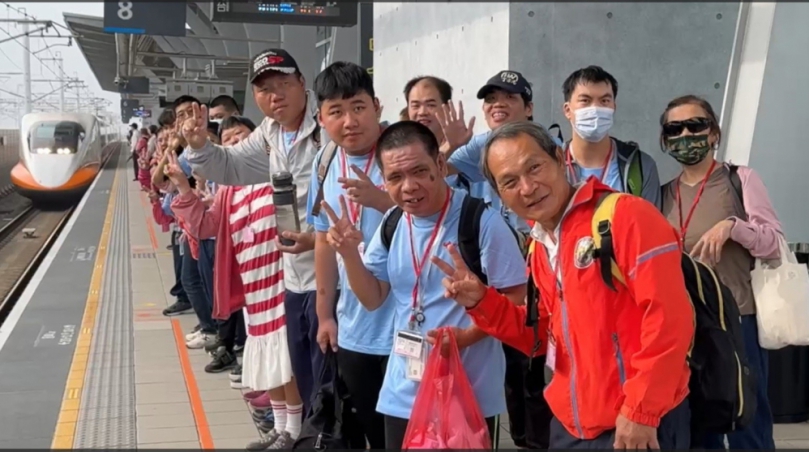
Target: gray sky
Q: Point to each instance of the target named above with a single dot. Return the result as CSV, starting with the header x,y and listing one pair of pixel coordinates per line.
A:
x,y
11,57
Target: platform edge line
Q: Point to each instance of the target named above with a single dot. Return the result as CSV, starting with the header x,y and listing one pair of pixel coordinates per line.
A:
x,y
197,409
65,432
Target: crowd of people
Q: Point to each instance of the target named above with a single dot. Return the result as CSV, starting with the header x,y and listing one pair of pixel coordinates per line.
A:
x,y
373,254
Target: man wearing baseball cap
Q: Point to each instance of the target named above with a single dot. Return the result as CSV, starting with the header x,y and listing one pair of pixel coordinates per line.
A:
x,y
508,97
288,139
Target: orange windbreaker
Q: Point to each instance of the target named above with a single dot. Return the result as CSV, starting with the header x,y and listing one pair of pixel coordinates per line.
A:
x,y
616,352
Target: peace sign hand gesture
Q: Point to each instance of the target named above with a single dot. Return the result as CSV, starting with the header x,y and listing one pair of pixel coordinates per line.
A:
x,y
363,191
195,128
175,173
460,283
456,132
342,235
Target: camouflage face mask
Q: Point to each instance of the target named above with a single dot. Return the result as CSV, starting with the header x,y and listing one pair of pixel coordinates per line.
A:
x,y
688,150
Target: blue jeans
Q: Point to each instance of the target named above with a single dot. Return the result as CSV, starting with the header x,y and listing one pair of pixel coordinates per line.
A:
x,y
759,434
177,291
192,284
205,263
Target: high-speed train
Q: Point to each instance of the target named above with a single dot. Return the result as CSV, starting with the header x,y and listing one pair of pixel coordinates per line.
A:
x,y
60,155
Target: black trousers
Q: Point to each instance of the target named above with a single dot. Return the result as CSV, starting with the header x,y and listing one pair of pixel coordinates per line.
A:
x,y
135,164
363,375
231,329
395,429
529,416
177,291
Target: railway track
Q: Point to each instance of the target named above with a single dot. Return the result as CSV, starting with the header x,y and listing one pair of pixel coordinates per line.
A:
x,y
24,242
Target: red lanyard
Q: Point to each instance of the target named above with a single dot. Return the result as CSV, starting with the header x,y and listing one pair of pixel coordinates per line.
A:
x,y
354,208
569,162
684,225
418,267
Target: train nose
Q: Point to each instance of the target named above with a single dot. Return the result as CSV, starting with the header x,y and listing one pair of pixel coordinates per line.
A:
x,y
53,170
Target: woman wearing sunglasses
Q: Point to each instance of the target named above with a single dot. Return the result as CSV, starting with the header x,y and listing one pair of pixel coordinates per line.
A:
x,y
725,229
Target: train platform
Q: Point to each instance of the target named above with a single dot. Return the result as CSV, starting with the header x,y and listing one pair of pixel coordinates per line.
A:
x,y
87,360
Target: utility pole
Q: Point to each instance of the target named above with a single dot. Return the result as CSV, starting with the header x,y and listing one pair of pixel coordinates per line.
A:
x,y
63,80
26,64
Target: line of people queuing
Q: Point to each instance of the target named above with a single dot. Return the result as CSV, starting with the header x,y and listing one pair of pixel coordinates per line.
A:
x,y
378,255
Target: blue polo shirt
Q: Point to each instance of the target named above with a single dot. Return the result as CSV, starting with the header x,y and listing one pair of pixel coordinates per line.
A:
x,y
504,266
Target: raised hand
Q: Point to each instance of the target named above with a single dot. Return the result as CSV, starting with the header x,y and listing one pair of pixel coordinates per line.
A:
x,y
175,173
363,191
456,132
195,128
342,235
460,283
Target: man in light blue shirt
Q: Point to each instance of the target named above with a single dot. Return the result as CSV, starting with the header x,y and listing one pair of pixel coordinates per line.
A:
x,y
362,339
429,217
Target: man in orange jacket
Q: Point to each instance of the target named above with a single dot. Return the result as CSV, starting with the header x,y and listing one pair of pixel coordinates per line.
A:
x,y
619,357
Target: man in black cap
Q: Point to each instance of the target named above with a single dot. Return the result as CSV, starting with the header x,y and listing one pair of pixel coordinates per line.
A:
x,y
288,139
508,97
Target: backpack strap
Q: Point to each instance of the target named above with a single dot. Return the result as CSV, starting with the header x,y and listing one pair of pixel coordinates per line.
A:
x,y
736,183
634,178
389,226
469,234
602,236
558,131
323,164
532,301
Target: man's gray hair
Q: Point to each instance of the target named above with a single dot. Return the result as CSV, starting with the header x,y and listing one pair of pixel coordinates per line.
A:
x,y
513,130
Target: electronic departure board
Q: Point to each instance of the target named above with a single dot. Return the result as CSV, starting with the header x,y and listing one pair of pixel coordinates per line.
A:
x,y
334,14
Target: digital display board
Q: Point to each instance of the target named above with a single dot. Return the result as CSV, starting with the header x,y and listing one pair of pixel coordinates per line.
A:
x,y
335,14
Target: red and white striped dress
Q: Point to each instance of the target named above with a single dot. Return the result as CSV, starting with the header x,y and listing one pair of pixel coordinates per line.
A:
x,y
266,363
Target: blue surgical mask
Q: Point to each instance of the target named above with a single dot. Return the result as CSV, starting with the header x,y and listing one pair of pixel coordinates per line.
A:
x,y
593,123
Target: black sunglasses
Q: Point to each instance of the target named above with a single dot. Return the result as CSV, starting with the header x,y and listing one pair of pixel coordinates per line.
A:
x,y
694,125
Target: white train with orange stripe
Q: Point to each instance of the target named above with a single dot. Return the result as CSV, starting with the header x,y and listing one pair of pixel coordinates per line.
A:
x,y
60,155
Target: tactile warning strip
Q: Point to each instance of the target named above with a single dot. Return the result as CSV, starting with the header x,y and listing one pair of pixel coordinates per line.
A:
x,y
107,415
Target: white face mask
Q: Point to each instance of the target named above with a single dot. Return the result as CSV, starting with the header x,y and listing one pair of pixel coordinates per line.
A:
x,y
217,120
593,123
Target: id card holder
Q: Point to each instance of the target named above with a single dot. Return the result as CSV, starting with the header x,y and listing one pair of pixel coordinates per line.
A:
x,y
415,367
550,354
248,235
408,344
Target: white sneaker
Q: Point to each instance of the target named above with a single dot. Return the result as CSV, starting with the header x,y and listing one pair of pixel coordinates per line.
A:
x,y
190,336
201,341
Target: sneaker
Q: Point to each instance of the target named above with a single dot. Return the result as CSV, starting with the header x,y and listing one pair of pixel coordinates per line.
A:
x,y
236,373
200,341
194,333
284,441
179,307
223,361
214,346
265,442
237,384
238,350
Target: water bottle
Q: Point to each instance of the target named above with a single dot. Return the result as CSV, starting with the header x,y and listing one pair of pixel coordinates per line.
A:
x,y
285,198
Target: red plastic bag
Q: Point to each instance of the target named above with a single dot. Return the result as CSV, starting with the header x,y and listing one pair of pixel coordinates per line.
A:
x,y
446,414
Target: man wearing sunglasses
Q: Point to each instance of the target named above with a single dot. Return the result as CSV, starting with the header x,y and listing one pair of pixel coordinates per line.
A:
x,y
589,106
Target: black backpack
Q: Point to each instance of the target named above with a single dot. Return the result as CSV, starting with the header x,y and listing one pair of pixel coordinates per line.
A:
x,y
722,387
325,425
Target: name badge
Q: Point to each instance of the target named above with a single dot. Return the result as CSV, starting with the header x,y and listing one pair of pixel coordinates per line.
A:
x,y
415,369
408,344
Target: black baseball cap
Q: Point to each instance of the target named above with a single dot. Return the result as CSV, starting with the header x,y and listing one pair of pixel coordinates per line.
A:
x,y
509,81
272,60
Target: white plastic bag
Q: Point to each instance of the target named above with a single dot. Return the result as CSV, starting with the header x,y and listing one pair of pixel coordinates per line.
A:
x,y
781,291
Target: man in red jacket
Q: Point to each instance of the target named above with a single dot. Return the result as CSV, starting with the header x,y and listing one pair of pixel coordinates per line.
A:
x,y
619,358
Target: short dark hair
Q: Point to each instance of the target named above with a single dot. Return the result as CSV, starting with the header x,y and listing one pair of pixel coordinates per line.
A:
x,y
343,80
134,125
184,99
225,101
167,117
692,100
153,129
404,133
236,121
443,87
590,74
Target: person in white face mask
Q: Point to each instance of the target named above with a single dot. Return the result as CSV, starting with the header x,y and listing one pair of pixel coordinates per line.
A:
x,y
590,106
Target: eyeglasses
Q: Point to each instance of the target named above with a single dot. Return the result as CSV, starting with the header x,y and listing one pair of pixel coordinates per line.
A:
x,y
694,125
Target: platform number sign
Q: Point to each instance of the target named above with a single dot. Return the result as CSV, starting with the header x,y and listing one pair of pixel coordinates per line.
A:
x,y
145,18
